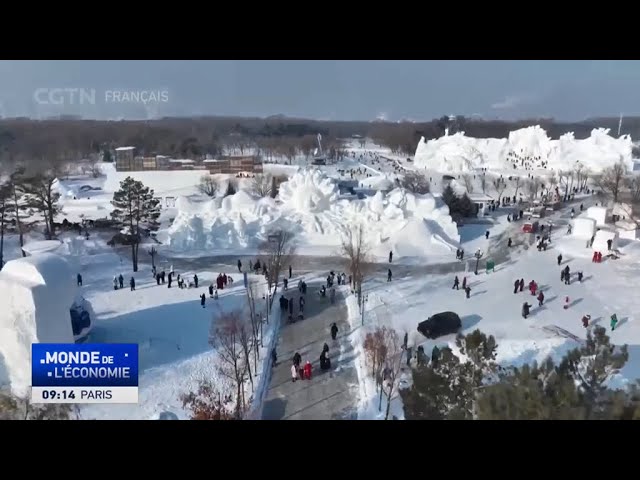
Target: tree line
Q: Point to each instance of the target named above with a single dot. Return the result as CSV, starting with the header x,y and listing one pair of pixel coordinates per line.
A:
x,y
72,139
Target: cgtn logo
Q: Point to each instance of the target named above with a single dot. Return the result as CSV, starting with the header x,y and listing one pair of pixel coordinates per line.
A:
x,y
88,373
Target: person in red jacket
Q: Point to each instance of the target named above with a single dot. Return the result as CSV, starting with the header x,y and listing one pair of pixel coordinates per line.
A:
x,y
599,257
307,370
594,259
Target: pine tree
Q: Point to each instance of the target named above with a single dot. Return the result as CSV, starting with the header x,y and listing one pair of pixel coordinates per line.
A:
x,y
41,196
593,363
5,198
458,205
136,210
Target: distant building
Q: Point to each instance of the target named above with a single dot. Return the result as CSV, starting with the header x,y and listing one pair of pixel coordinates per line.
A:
x,y
128,161
481,201
124,158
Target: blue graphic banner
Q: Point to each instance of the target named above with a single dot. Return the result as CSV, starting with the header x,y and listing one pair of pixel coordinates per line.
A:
x,y
84,365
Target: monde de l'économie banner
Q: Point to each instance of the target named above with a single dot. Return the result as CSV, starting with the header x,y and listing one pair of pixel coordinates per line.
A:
x,y
84,373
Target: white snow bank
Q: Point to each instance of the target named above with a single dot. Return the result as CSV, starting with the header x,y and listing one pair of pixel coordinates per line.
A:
x,y
308,204
584,228
42,246
600,241
599,214
37,292
163,183
529,146
378,182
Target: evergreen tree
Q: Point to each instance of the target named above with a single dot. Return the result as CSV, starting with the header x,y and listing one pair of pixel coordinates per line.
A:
x,y
41,196
593,363
5,198
461,206
231,189
136,211
106,155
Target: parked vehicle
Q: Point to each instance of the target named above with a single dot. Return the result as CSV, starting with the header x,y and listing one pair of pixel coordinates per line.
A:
x,y
440,324
530,227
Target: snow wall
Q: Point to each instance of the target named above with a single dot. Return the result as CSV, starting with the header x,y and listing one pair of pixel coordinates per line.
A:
x,y
600,242
37,292
599,214
529,146
583,228
308,204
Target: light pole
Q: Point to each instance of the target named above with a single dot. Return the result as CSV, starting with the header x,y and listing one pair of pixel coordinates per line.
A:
x,y
478,256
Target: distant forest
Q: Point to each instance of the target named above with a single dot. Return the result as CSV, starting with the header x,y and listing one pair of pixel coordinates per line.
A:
x,y
73,139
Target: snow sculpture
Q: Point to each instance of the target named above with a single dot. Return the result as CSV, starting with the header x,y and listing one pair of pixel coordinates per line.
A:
x,y
37,292
309,191
528,147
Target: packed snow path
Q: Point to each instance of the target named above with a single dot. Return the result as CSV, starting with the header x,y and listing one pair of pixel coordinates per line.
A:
x,y
330,395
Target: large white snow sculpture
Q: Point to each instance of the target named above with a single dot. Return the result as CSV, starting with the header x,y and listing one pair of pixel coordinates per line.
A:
x,y
600,243
599,214
37,292
530,146
309,191
309,205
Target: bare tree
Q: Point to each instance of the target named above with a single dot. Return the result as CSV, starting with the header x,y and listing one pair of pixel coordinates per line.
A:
x,y
205,403
611,182
499,186
518,184
415,182
375,349
356,250
5,198
468,182
278,252
552,183
563,181
391,372
262,185
532,186
41,195
632,183
224,337
248,343
256,322
208,186
16,208
14,408
483,183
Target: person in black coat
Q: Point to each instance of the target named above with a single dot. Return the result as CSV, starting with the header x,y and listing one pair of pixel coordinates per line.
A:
x,y
334,331
211,290
290,271
195,280
297,360
203,298
121,281
516,286
325,348
79,280
525,309
239,266
521,284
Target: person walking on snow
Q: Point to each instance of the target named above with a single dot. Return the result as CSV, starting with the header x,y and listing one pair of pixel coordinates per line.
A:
x,y
389,275
516,286
115,282
464,283
132,283
290,271
525,309
609,244
580,277
195,280
390,256
540,299
486,235
560,259
285,283
301,304
509,242
294,373
567,276
585,320
456,283
202,300
307,370
566,303
79,279
211,290
614,321
239,266
334,331
467,291
521,284
121,281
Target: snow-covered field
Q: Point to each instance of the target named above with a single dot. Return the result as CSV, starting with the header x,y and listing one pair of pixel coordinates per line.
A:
x,y
172,329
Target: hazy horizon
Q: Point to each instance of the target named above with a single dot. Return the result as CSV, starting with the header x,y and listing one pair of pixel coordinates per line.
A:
x,y
343,90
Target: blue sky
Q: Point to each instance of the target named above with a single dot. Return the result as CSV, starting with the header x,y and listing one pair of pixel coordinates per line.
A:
x,y
329,89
